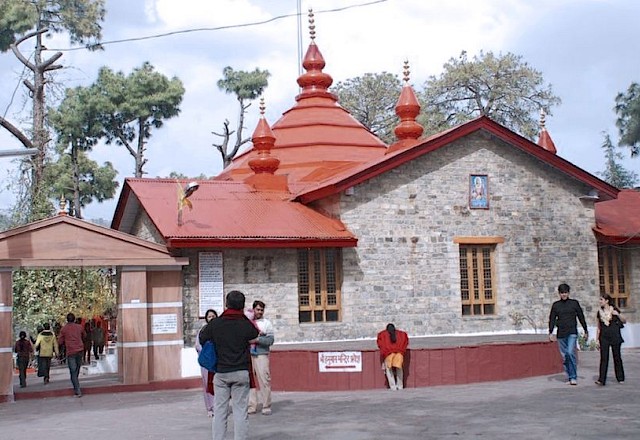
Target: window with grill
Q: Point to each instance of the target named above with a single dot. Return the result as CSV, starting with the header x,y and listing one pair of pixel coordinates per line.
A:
x,y
319,284
612,270
476,280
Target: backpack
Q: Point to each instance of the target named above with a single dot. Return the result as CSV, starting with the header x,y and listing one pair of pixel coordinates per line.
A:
x,y
208,358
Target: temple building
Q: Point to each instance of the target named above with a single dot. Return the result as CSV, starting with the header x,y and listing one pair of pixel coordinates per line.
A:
x,y
468,231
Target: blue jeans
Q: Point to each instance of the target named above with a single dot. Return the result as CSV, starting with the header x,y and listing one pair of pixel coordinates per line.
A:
x,y
567,347
232,386
74,362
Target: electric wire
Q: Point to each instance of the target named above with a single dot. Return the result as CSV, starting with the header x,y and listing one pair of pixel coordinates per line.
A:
x,y
217,28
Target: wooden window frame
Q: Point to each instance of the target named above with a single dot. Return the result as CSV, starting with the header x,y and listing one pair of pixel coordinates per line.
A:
x,y
319,285
478,292
613,274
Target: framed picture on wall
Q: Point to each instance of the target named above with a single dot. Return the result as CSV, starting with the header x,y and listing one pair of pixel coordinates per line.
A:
x,y
478,191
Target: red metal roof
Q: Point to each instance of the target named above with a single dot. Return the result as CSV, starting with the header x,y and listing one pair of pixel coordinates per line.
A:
x,y
316,135
228,214
319,150
406,151
618,221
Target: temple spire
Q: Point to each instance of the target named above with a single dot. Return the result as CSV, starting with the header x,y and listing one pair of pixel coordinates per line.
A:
x,y
408,109
314,82
544,140
264,165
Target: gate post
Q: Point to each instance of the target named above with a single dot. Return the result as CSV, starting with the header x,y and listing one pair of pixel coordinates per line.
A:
x,y
6,335
133,331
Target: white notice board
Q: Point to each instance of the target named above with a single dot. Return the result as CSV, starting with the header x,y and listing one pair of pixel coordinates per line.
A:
x,y
210,286
163,324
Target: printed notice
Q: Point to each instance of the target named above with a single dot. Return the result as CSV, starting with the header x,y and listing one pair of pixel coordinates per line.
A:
x,y
164,324
210,286
340,361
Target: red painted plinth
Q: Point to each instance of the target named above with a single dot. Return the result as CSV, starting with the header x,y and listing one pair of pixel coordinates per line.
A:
x,y
298,370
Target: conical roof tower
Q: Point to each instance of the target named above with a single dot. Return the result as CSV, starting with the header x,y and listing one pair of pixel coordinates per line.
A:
x,y
316,138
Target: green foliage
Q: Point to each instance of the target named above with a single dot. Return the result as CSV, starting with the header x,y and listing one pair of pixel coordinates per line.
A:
x,y
614,173
16,18
77,118
628,109
181,176
246,86
79,18
78,126
586,344
48,295
502,87
94,182
29,20
371,99
133,105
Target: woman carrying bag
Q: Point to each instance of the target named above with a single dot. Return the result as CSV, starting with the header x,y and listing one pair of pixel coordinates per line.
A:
x,y
207,376
610,321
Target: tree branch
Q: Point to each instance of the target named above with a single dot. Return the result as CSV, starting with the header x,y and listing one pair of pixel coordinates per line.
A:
x,y
16,132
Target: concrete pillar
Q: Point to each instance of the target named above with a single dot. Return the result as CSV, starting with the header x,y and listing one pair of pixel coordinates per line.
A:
x,y
165,323
6,335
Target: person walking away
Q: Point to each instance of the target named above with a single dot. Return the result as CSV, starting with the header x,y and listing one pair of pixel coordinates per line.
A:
x,y
23,349
231,334
72,336
260,361
393,345
563,315
97,339
47,344
86,342
207,376
610,321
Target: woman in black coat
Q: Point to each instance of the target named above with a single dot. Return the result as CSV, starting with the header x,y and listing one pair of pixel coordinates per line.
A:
x,y
610,321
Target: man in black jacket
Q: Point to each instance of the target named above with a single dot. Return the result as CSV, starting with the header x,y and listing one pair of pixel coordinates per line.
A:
x,y
563,315
231,333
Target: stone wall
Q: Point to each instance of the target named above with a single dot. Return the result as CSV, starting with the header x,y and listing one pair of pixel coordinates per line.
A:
x,y
405,269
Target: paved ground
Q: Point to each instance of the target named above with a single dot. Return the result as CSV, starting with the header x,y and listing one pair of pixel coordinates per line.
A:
x,y
535,408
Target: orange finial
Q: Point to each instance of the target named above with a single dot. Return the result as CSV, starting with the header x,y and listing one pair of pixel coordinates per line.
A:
x,y
312,26
263,141
544,140
406,71
63,205
407,110
314,82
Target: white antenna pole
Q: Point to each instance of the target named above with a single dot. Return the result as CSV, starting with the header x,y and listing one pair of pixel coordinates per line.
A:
x,y
299,21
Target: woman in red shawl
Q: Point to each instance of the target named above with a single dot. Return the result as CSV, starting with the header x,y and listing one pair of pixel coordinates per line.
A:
x,y
393,346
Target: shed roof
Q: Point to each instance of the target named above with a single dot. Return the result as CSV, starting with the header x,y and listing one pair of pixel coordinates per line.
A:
x,y
228,214
618,221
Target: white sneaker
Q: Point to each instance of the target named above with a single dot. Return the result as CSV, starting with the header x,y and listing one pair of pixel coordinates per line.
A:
x,y
573,382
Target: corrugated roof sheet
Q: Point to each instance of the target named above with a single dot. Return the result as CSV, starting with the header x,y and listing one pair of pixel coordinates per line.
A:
x,y
232,211
618,221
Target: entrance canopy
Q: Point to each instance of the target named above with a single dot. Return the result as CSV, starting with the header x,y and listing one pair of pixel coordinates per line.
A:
x,y
149,288
64,241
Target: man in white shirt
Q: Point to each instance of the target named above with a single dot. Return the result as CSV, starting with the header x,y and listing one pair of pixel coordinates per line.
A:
x,y
260,360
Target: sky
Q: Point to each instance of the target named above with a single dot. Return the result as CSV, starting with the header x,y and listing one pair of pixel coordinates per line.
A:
x,y
586,49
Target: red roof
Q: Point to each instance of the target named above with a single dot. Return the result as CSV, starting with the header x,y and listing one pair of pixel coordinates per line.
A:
x,y
618,221
406,151
227,214
316,136
316,150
